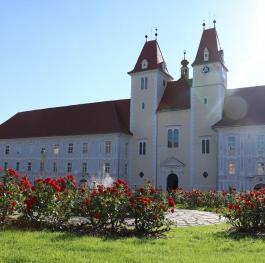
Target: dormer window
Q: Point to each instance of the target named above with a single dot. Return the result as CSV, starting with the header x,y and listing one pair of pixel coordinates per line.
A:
x,y
144,64
206,54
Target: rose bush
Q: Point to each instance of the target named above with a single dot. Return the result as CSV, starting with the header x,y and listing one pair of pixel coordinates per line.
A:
x,y
148,207
107,207
208,200
247,211
49,201
10,195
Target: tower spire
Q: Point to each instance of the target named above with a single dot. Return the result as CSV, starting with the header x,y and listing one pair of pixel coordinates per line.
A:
x,y
184,71
156,33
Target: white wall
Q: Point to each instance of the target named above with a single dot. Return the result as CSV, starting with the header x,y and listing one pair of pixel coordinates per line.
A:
x,y
246,157
29,150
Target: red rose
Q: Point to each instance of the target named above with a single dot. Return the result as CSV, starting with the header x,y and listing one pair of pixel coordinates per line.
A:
x,y
25,183
13,172
32,200
14,205
171,202
87,201
97,215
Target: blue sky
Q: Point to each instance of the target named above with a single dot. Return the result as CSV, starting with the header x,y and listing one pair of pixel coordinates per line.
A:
x,y
60,52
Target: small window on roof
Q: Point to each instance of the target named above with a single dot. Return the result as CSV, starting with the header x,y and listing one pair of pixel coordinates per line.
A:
x,y
206,54
144,64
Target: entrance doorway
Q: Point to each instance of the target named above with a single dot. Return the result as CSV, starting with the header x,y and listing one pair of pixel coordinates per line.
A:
x,y
172,182
259,186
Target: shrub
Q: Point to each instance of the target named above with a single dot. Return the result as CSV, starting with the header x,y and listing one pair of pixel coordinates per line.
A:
x,y
107,207
208,200
50,201
10,195
148,207
247,211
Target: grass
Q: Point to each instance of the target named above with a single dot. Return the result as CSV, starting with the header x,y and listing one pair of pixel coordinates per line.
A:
x,y
193,244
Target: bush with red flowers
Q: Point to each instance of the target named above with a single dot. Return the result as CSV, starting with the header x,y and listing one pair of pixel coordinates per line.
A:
x,y
208,200
107,207
148,207
247,211
10,195
49,201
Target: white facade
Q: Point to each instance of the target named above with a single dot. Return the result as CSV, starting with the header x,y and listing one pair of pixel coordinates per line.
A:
x,y
241,157
89,157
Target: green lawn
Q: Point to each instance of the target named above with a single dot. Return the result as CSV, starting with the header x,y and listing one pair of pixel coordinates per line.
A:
x,y
193,244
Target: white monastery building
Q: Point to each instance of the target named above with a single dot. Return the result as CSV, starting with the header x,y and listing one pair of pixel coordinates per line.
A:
x,y
189,133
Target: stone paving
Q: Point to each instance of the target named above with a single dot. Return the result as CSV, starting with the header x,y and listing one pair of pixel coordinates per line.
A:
x,y
185,217
180,218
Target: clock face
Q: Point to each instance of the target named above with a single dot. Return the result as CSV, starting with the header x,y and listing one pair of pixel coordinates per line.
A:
x,y
205,69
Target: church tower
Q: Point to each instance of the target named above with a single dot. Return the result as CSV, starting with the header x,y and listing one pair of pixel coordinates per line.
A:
x,y
148,81
207,99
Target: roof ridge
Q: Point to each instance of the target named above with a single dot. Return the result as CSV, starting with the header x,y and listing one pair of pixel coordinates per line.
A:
x,y
73,105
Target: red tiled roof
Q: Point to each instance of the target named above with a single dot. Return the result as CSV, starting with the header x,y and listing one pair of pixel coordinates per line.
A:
x,y
92,118
209,39
243,107
176,96
152,53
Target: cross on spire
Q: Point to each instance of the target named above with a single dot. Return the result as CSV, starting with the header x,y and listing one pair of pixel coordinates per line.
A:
x,y
203,24
156,34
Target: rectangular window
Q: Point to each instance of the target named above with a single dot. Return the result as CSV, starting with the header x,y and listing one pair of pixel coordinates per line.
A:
x,y
205,146
54,167
84,167
7,150
43,151
126,148
260,143
56,148
231,145
125,169
41,166
260,169
108,147
29,166
17,166
232,168
85,147
144,83
142,148
107,168
70,148
5,165
173,138
69,167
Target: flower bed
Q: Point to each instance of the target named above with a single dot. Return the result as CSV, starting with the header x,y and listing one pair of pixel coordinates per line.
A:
x,y
52,202
208,200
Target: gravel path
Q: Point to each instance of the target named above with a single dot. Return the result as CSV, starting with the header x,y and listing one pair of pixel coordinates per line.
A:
x,y
185,217
180,218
